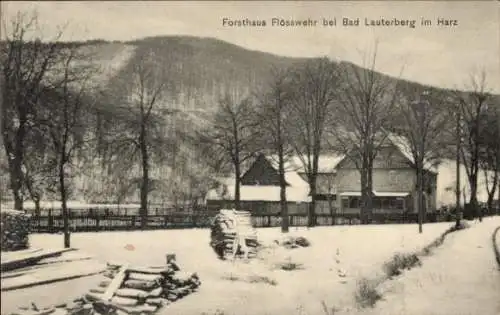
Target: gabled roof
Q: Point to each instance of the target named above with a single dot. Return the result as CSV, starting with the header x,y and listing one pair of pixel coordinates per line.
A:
x,y
327,163
404,146
292,169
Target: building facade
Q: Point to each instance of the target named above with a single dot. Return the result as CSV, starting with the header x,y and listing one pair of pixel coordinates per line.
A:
x,y
338,186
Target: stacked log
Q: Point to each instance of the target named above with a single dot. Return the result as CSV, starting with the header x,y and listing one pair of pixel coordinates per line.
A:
x,y
15,227
228,229
128,290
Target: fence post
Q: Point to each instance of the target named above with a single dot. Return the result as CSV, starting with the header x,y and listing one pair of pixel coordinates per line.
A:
x,y
97,223
50,223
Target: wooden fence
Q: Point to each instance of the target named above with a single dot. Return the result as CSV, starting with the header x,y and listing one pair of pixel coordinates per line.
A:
x,y
52,222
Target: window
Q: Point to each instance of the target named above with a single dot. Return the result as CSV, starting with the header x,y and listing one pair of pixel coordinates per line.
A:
x,y
354,202
385,203
393,175
397,204
345,202
326,197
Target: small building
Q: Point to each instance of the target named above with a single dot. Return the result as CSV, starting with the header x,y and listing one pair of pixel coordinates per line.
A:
x,y
260,190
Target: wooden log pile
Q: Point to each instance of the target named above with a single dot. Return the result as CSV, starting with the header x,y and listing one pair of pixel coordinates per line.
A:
x,y
229,229
128,290
15,227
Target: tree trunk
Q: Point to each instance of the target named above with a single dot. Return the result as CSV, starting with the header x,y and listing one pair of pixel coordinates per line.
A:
x,y
15,156
237,180
37,207
498,200
145,178
363,206
491,192
366,191
331,208
369,199
283,201
420,195
311,217
473,203
65,212
16,175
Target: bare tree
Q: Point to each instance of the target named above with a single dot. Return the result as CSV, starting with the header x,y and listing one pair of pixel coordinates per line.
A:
x,y
26,66
232,137
490,153
65,117
141,120
40,177
315,85
366,107
471,106
274,115
424,120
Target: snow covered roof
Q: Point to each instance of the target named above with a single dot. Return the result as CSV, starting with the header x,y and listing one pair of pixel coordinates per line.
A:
x,y
262,193
376,193
391,194
327,163
11,211
350,193
403,145
292,176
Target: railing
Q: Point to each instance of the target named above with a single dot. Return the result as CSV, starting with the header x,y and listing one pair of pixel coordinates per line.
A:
x,y
85,222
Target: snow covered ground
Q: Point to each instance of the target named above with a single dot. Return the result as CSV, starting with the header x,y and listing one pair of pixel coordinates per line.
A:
x,y
460,278
233,287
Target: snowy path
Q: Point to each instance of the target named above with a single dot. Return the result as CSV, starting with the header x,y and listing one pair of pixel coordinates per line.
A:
x,y
460,278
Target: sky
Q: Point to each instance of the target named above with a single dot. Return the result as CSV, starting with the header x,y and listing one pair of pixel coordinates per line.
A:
x,y
440,55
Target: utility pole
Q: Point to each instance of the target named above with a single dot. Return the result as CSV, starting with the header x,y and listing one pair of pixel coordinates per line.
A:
x,y
420,167
421,179
458,139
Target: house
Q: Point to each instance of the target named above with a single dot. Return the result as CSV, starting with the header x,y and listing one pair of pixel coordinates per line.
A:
x,y
260,190
338,184
394,181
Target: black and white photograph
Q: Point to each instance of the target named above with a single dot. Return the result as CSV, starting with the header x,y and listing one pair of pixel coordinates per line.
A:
x,y
250,157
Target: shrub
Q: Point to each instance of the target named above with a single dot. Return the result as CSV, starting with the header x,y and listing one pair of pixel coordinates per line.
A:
x,y
289,266
461,226
302,241
328,310
366,294
231,277
401,262
262,279
15,227
251,279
